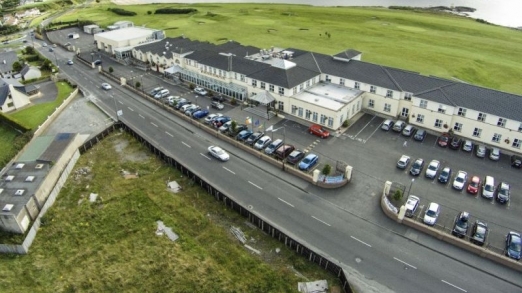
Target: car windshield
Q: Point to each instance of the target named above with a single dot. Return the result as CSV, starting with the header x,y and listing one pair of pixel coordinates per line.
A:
x,y
307,160
473,184
515,245
462,224
432,167
219,151
504,192
431,213
416,165
489,187
444,174
460,179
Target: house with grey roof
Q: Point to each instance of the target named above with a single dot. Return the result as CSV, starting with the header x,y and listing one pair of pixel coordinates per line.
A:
x,y
6,63
328,89
13,95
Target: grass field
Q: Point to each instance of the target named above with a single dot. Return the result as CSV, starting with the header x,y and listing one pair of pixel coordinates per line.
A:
x,y
437,44
111,246
36,114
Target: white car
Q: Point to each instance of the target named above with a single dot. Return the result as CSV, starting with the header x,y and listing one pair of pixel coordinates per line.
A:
x,y
70,62
411,205
432,169
494,154
225,126
460,180
218,153
262,142
432,214
200,91
403,162
106,86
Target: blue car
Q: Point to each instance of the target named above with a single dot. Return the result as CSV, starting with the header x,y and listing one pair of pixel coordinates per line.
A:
x,y
200,114
308,162
244,134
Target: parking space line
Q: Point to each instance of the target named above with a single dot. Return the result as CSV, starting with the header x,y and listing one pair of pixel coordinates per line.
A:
x,y
365,126
456,287
403,262
367,139
322,221
360,241
285,202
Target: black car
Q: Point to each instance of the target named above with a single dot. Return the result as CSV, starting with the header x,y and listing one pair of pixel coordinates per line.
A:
x,y
294,157
218,99
461,225
516,161
502,192
420,134
239,128
455,143
513,245
417,166
254,137
479,233
445,175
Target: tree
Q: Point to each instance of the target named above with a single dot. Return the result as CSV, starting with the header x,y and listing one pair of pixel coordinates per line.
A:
x,y
138,84
29,50
326,170
397,195
233,126
149,12
111,70
47,65
17,66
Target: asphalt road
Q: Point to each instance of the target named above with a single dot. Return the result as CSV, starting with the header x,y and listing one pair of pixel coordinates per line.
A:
x,y
345,224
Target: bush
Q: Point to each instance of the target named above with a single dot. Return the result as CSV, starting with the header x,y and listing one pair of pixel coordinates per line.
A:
x,y
175,11
326,170
111,70
397,195
192,86
120,11
138,84
233,101
346,123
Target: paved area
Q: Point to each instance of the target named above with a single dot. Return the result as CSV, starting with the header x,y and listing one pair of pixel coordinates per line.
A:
x,y
48,92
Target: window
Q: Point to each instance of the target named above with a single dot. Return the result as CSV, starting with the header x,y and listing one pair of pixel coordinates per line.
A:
x,y
254,83
371,103
341,81
520,127
462,112
481,117
387,107
295,90
442,109
501,122
496,137
407,96
301,87
294,109
281,106
438,123
327,78
358,105
389,94
330,121
300,112
457,127
357,86
262,85
353,109
516,143
271,87
242,77
477,132
323,119
373,89
420,118
308,113
281,90
308,83
423,104
314,116
405,112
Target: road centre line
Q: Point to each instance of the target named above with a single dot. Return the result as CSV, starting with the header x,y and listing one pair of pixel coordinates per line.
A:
x,y
120,102
205,156
454,286
154,124
130,109
255,185
141,116
413,267
322,221
186,144
365,126
169,134
361,241
229,170
285,202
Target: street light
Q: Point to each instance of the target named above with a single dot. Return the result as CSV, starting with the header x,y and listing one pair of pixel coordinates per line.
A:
x,y
409,189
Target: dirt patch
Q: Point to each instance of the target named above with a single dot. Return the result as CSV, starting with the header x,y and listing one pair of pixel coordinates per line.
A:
x,y
271,30
133,156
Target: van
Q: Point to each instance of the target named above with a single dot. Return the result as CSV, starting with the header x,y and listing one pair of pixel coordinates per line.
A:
x,y
408,130
270,149
161,94
399,126
283,151
387,125
488,188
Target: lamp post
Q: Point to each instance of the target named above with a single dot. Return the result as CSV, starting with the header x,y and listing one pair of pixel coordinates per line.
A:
x,y
411,184
115,108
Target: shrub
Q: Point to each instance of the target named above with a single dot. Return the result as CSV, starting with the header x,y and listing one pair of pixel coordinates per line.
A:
x,y
175,11
120,11
111,70
233,101
326,170
346,123
138,84
192,86
17,66
397,195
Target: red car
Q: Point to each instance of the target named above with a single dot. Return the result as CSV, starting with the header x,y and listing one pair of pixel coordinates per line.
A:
x,y
319,131
444,140
474,185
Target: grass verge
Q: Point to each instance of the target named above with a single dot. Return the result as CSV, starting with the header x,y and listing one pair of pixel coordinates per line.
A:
x,y
110,245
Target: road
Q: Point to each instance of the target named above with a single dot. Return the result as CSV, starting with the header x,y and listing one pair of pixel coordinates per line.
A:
x,y
382,254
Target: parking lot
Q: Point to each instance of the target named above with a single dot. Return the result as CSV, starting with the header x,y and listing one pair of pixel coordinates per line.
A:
x,y
390,145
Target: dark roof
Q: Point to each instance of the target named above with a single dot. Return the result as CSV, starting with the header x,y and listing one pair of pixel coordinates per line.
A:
x,y
4,92
415,83
9,58
178,45
25,69
348,54
57,146
201,55
287,78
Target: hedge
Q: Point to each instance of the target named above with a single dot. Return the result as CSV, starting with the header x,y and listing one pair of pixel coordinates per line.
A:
x,y
175,11
120,11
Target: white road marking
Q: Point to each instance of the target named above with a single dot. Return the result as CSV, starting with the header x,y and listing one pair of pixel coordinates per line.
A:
x,y
169,134
141,116
454,286
205,156
404,263
322,221
361,241
229,170
120,102
130,109
368,138
186,144
286,202
255,185
365,126
154,124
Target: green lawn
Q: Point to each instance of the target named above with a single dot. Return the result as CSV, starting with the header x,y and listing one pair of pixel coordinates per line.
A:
x,y
111,246
437,44
37,114
7,136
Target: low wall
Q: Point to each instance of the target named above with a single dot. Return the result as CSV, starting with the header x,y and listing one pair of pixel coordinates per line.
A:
x,y
447,237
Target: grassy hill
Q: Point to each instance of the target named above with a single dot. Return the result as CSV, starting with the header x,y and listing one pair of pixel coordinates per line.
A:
x,y
437,44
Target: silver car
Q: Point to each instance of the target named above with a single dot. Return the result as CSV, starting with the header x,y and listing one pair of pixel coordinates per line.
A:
x,y
494,154
481,151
